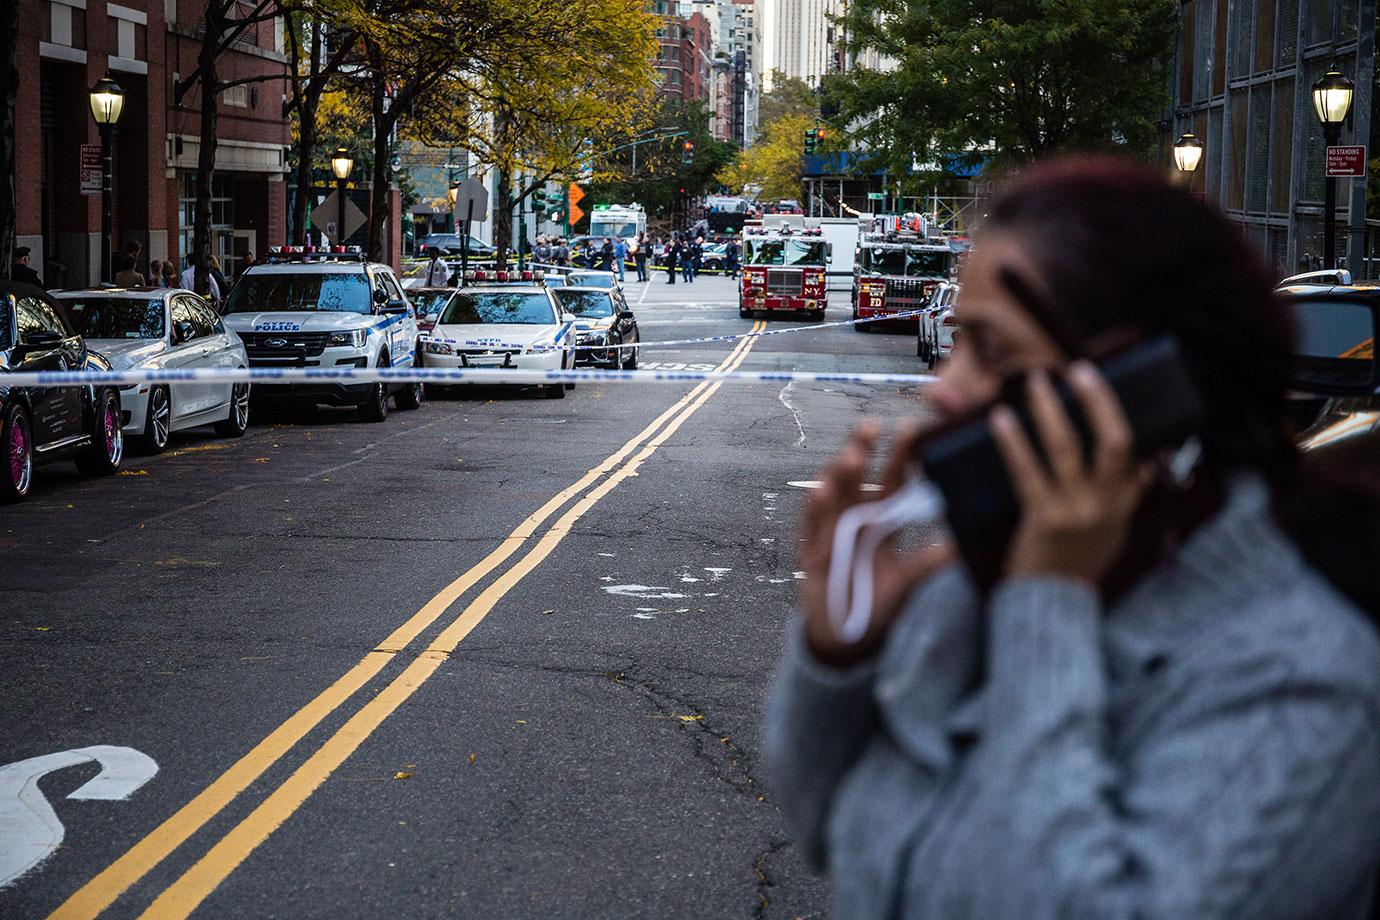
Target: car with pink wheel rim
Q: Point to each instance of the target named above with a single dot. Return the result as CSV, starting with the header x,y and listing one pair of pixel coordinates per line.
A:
x,y
41,425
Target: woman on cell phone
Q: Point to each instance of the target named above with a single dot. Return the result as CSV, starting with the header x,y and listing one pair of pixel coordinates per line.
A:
x,y
1163,700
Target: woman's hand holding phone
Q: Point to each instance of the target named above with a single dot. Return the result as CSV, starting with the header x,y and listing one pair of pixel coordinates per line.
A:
x,y
896,572
1075,512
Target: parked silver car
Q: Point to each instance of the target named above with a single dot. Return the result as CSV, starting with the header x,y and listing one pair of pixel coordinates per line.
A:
x,y
158,328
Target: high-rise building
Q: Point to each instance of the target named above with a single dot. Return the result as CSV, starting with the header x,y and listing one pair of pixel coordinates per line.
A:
x,y
798,39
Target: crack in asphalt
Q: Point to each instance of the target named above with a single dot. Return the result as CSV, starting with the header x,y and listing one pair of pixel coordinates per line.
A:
x,y
764,881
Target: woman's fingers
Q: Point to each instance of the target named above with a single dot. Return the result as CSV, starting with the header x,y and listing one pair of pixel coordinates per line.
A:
x,y
1113,440
1063,450
1027,473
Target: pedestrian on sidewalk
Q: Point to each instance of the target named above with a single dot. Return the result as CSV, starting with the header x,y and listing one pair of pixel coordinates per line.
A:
x,y
128,276
620,257
1156,694
542,253
155,276
640,256
20,269
687,261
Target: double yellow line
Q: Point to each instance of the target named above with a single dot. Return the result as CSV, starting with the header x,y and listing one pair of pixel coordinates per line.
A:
x,y
193,886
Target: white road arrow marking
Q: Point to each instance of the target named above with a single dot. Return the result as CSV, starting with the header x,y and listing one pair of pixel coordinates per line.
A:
x,y
29,829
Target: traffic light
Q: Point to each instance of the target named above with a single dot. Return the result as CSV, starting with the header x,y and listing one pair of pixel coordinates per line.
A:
x,y
687,154
811,140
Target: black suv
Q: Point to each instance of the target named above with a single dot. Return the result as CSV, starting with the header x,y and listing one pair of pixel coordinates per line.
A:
x,y
42,424
1336,403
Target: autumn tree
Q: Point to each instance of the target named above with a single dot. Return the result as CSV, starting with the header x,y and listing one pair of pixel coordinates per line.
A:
x,y
787,96
1005,80
570,81
774,164
314,66
223,23
655,172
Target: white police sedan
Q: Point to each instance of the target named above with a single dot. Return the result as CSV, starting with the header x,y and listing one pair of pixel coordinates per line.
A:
x,y
505,326
164,329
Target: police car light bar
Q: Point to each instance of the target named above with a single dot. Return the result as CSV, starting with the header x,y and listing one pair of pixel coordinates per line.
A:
x,y
305,253
502,275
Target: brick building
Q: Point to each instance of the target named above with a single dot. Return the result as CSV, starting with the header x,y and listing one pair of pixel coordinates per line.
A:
x,y
65,46
684,62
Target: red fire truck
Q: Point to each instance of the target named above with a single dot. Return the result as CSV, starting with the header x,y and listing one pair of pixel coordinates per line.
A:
x,y
783,269
896,272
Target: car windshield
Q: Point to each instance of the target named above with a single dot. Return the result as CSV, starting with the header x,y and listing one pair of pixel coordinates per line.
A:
x,y
592,304
613,228
117,318
499,307
593,280
909,263
1334,329
429,303
785,252
281,292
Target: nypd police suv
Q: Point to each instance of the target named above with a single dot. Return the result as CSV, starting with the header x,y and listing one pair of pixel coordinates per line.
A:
x,y
327,308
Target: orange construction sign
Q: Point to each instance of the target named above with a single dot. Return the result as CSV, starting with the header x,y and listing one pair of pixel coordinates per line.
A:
x,y
574,197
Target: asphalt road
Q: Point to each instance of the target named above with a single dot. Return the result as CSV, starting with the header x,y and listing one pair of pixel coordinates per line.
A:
x,y
349,719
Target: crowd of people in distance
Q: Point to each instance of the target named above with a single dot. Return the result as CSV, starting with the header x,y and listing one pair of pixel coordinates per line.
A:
x,y
162,273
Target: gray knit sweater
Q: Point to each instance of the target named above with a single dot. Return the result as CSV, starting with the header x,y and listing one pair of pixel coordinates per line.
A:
x,y
1207,748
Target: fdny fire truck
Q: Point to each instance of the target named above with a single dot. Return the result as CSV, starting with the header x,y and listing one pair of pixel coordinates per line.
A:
x,y
784,268
896,271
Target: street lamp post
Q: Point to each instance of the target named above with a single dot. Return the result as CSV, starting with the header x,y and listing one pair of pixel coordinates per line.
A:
x,y
1332,96
342,164
107,102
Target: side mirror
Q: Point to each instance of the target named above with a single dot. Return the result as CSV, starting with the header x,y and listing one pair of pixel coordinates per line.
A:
x,y
182,332
625,314
380,296
1335,345
395,306
40,340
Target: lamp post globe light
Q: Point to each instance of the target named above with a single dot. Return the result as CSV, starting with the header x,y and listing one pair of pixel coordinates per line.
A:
x,y
1332,96
107,102
1188,153
453,194
342,164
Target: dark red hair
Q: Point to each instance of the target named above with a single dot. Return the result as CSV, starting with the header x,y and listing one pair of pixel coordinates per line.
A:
x,y
1119,247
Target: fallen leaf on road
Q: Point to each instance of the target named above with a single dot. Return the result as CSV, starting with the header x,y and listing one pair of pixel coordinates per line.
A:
x,y
402,774
471,759
134,472
260,459
519,721
42,628
547,613
691,718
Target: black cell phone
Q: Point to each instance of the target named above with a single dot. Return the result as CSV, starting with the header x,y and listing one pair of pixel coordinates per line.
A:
x,y
1157,394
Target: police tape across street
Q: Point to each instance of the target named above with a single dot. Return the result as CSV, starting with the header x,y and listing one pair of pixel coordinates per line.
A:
x,y
733,337
441,376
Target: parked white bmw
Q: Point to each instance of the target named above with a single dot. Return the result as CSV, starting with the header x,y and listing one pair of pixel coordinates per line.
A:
x,y
508,326
158,329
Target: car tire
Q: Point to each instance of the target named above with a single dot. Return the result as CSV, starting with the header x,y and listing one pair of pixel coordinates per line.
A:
x,y
817,316
630,362
236,423
409,397
554,391
107,448
744,312
375,408
157,421
17,455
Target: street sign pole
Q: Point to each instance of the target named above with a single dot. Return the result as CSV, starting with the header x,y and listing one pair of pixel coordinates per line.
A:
x,y
465,241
